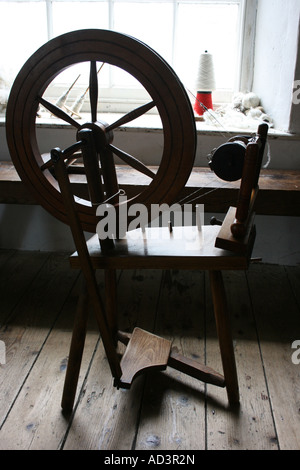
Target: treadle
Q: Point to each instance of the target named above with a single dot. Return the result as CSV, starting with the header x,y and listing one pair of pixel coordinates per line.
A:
x,y
144,351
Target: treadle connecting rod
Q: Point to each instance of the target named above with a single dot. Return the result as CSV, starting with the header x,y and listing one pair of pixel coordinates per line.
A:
x,y
57,153
195,369
147,351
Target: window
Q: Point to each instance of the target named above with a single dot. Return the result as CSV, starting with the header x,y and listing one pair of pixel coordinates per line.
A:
x,y
179,30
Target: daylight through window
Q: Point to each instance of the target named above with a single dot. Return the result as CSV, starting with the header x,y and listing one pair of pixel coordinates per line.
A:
x,y
179,30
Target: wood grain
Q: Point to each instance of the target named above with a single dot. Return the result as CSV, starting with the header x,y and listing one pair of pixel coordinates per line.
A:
x,y
143,351
250,426
103,409
36,420
163,410
185,247
279,190
172,395
278,327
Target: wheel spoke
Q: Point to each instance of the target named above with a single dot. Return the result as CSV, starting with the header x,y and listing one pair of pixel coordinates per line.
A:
x,y
132,161
93,90
59,113
131,116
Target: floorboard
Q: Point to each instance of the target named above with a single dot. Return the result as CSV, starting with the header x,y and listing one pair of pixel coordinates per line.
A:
x,y
163,410
250,426
278,325
173,406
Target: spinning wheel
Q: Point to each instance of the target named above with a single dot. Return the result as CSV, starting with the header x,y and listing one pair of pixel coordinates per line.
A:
x,y
213,250
152,72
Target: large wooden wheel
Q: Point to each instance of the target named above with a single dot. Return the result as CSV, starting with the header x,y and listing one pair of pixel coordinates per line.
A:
x,y
152,72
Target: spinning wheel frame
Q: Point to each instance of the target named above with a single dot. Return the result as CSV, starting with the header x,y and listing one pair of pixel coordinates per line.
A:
x,y
147,67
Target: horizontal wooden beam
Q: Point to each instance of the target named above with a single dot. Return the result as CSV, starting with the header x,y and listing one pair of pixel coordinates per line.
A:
x,y
279,190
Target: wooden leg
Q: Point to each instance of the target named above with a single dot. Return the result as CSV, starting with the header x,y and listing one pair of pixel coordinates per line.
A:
x,y
224,335
76,351
111,302
85,262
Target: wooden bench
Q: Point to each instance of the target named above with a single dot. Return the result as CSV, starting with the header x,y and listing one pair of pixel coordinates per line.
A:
x,y
279,192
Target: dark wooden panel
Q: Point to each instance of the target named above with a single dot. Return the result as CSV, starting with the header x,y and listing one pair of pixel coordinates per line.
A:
x,y
279,192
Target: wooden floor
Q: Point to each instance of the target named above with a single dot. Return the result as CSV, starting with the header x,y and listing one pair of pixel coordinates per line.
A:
x,y
163,410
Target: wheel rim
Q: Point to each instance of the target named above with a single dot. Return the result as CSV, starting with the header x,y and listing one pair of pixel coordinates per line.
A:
x,y
131,55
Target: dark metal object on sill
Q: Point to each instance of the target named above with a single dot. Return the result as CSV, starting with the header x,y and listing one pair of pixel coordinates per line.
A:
x,y
227,161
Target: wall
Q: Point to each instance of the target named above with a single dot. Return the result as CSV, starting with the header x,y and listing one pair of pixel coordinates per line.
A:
x,y
147,144
277,60
295,111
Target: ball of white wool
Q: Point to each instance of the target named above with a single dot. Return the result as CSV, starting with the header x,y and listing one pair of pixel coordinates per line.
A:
x,y
250,100
237,100
255,112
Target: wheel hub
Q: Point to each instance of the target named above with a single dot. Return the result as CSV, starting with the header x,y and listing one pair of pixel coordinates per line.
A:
x,y
102,136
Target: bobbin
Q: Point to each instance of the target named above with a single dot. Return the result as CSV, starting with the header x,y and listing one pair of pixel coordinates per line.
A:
x,y
227,161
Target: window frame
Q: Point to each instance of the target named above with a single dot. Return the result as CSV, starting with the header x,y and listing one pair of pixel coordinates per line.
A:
x,y
122,100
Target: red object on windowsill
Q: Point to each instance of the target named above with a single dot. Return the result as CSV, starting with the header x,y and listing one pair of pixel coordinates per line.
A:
x,y
203,98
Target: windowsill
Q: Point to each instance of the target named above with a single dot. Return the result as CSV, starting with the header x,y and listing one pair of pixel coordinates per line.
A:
x,y
152,123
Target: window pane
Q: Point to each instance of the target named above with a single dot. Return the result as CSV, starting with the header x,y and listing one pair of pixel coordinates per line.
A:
x,y
23,30
213,28
70,16
179,30
137,19
151,23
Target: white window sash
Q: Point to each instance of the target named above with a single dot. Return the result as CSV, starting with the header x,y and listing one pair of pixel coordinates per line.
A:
x,y
247,32
118,101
